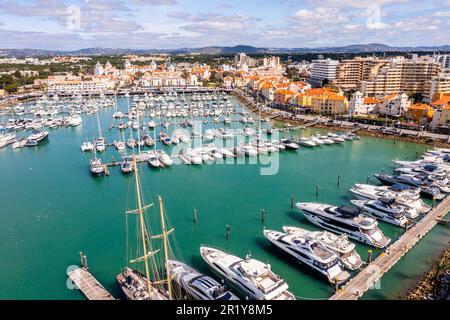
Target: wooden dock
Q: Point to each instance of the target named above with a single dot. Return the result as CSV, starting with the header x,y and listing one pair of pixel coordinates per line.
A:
x,y
373,272
90,287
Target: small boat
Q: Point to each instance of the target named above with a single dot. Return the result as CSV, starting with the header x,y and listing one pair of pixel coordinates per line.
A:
x,y
96,167
148,141
87,146
197,285
306,142
19,144
153,161
250,151
100,145
131,143
119,145
165,159
75,121
117,115
126,167
289,144
36,138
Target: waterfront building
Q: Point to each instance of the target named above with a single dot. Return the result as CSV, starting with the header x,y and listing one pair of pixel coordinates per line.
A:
x,y
394,105
360,105
437,86
420,113
350,72
443,60
323,69
228,82
400,75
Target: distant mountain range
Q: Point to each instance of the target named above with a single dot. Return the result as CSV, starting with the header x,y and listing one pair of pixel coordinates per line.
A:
x,y
357,48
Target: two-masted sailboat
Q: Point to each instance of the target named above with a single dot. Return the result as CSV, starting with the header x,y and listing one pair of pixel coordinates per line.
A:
x,y
152,284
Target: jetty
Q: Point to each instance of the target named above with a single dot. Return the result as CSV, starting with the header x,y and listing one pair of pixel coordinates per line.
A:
x,y
88,285
373,272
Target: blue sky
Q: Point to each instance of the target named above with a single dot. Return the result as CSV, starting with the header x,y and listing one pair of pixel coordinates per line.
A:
x,y
75,24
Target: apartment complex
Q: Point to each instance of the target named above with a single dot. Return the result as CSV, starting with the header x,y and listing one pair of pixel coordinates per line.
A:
x,y
437,86
381,77
323,69
350,72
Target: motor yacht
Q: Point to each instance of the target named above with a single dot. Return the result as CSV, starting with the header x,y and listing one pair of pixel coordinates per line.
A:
x,y
385,210
345,220
196,285
309,252
254,279
339,244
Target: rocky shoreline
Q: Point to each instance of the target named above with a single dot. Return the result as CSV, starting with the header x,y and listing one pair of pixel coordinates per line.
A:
x,y
427,288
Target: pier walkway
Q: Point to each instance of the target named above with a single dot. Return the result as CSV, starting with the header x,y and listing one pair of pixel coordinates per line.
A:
x,y
368,276
90,287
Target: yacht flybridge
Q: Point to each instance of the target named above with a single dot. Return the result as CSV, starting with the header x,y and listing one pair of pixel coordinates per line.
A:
x,y
345,220
254,279
196,285
340,245
309,252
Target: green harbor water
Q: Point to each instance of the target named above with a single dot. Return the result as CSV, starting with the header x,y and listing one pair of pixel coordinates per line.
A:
x,y
51,208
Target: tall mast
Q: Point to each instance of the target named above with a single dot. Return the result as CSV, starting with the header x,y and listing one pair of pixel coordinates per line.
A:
x,y
141,221
166,253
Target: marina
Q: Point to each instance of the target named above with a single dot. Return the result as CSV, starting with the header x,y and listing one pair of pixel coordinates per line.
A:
x,y
299,174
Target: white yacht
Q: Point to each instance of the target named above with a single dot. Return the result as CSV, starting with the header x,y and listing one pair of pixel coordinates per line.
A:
x,y
254,279
153,160
36,138
87,146
289,144
384,209
100,144
250,151
409,198
339,244
165,159
309,252
75,121
119,145
196,285
118,115
345,220
306,142
96,167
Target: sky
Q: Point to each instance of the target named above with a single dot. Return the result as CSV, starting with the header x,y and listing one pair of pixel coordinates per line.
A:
x,y
170,24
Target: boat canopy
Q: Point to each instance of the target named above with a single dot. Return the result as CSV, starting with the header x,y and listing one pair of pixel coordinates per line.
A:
x,y
400,187
349,211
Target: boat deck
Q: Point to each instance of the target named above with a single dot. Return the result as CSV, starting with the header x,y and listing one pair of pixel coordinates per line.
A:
x,y
367,277
90,287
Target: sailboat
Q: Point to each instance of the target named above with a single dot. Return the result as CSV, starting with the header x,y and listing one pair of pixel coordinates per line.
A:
x,y
135,284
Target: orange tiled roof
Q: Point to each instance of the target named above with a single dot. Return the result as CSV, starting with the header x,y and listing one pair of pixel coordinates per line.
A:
x,y
370,100
442,101
420,106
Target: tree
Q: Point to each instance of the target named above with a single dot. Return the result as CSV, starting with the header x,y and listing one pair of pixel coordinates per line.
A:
x,y
415,96
325,82
10,88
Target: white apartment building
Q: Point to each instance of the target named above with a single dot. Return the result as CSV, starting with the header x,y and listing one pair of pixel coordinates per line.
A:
x,y
443,60
438,85
322,69
360,105
394,105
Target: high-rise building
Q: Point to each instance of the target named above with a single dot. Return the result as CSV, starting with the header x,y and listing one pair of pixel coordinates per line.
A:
x,y
443,60
350,72
323,69
401,75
